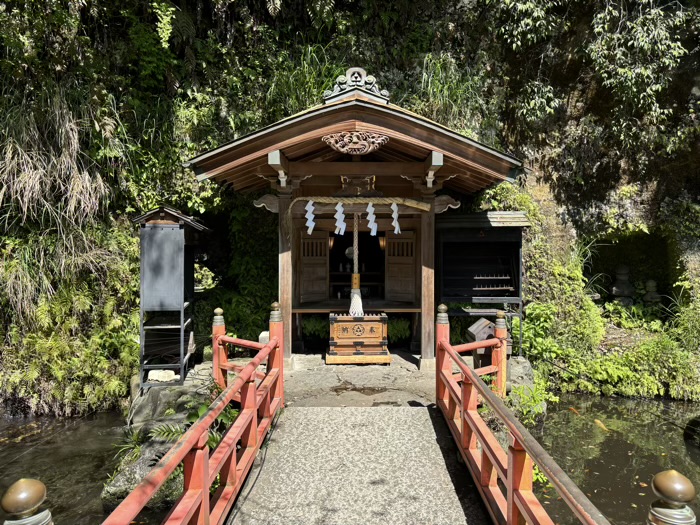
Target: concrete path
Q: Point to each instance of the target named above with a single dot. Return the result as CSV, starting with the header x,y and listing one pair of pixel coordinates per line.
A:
x,y
312,383
359,466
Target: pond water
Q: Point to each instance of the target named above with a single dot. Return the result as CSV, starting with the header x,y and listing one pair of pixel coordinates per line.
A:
x,y
614,467
73,457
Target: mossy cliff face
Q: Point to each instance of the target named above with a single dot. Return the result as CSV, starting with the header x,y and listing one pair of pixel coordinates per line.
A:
x,y
565,331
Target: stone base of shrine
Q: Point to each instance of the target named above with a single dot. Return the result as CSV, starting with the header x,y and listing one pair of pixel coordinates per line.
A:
x,y
356,359
427,363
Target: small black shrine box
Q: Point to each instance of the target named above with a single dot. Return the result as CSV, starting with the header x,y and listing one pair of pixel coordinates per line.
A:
x,y
479,260
168,242
480,257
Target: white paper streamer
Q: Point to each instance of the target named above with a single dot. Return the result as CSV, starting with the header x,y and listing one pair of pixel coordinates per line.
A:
x,y
339,219
371,224
310,217
395,218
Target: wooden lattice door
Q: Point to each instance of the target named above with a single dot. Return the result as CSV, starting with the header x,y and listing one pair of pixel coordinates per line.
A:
x,y
313,282
400,267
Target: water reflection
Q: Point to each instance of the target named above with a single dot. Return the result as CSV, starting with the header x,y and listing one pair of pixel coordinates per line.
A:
x,y
613,462
73,457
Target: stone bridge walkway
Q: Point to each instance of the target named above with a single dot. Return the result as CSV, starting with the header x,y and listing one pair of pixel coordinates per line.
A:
x,y
360,465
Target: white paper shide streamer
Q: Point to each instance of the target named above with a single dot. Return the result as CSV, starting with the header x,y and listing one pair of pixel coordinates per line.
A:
x,y
395,218
371,223
339,219
310,224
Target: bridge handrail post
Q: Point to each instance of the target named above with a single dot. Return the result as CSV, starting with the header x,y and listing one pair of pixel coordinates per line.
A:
x,y
442,334
499,356
196,476
219,355
277,355
675,492
249,403
520,474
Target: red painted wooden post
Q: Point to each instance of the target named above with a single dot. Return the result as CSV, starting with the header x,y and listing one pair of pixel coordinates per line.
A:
x,y
499,357
249,439
196,474
489,477
228,470
519,478
218,351
277,354
469,404
442,333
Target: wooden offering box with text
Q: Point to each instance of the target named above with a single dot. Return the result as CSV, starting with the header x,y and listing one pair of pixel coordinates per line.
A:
x,y
360,339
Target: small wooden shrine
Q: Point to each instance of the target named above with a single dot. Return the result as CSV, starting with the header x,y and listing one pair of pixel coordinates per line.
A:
x,y
357,183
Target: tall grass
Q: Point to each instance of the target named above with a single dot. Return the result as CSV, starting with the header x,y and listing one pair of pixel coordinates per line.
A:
x,y
456,96
53,190
298,82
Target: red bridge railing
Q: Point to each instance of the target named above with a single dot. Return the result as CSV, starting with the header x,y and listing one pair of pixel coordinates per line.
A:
x,y
512,501
231,460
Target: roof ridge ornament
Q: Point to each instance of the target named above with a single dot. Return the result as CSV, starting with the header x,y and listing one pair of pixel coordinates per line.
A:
x,y
355,79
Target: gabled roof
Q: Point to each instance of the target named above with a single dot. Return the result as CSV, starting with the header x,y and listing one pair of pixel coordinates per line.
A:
x,y
165,213
468,165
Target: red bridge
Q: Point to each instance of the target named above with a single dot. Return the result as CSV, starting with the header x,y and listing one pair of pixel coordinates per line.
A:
x,y
213,479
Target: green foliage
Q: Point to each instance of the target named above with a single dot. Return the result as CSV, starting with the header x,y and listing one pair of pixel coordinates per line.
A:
x,y
454,95
252,271
167,432
170,432
129,449
635,51
648,317
530,403
79,348
658,366
686,326
537,330
315,326
399,329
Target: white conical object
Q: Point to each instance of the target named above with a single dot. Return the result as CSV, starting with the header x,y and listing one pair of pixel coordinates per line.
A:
x,y
356,303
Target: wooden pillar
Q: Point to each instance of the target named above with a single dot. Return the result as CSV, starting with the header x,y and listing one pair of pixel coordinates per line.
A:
x,y
285,274
427,253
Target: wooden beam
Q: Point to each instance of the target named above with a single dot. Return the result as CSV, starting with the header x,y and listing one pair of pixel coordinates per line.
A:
x,y
427,251
285,275
432,164
350,169
280,164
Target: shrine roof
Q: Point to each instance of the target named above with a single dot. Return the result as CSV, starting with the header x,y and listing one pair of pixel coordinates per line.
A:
x,y
314,138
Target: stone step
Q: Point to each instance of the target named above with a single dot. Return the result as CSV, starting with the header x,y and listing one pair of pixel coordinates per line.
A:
x,y
359,466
